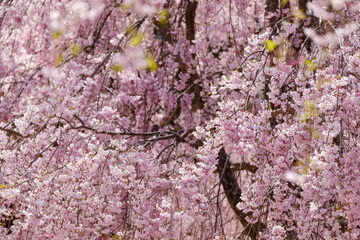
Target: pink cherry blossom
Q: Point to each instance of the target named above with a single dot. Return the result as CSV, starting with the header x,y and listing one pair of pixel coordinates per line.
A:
x,y
174,119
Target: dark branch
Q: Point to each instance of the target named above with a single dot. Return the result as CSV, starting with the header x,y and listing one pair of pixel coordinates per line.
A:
x,y
232,191
190,20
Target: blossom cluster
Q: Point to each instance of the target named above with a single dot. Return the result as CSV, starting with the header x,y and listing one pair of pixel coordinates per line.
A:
x,y
142,119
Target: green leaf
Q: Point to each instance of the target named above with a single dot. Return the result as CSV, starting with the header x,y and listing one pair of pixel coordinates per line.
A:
x,y
76,50
300,14
284,2
310,65
151,63
163,16
56,35
59,60
309,105
124,7
117,68
137,39
270,45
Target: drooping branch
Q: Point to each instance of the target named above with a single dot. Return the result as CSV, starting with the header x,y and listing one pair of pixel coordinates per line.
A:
x,y
232,191
190,15
179,136
190,19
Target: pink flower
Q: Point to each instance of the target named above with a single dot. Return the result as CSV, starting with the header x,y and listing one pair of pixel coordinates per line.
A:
x,y
107,112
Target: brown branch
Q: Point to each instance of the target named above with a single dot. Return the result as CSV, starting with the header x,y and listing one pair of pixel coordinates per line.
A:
x,y
303,5
190,20
123,133
245,166
190,15
96,34
134,27
179,135
11,132
232,191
